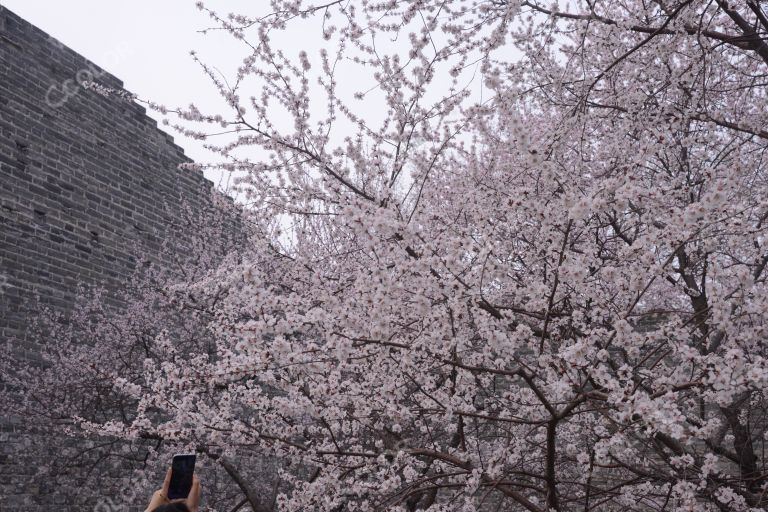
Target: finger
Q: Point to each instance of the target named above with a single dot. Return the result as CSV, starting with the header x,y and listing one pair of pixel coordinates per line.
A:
x,y
166,482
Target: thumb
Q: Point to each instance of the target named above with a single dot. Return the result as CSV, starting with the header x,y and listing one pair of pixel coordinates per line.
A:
x,y
166,482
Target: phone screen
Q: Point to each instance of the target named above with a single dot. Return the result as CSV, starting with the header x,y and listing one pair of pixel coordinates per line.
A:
x,y
182,469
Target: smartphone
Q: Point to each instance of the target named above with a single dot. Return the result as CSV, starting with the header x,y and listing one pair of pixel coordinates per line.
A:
x,y
182,469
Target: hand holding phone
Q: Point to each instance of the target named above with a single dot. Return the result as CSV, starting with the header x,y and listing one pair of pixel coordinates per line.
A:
x,y
190,495
182,469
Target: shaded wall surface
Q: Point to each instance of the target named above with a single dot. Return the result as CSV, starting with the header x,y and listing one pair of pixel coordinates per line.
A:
x,y
85,181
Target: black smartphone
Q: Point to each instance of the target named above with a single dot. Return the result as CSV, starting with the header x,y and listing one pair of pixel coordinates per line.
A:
x,y
182,469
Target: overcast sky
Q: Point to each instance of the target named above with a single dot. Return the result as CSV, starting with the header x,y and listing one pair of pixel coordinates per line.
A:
x,y
145,43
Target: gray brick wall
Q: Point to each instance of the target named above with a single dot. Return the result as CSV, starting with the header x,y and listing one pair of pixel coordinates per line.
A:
x,y
85,182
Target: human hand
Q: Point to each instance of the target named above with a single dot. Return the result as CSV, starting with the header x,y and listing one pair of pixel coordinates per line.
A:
x,y
160,497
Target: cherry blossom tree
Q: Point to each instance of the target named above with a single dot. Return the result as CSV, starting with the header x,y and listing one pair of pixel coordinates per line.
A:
x,y
509,256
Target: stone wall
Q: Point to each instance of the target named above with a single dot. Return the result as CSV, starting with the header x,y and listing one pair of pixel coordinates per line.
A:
x,y
86,181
